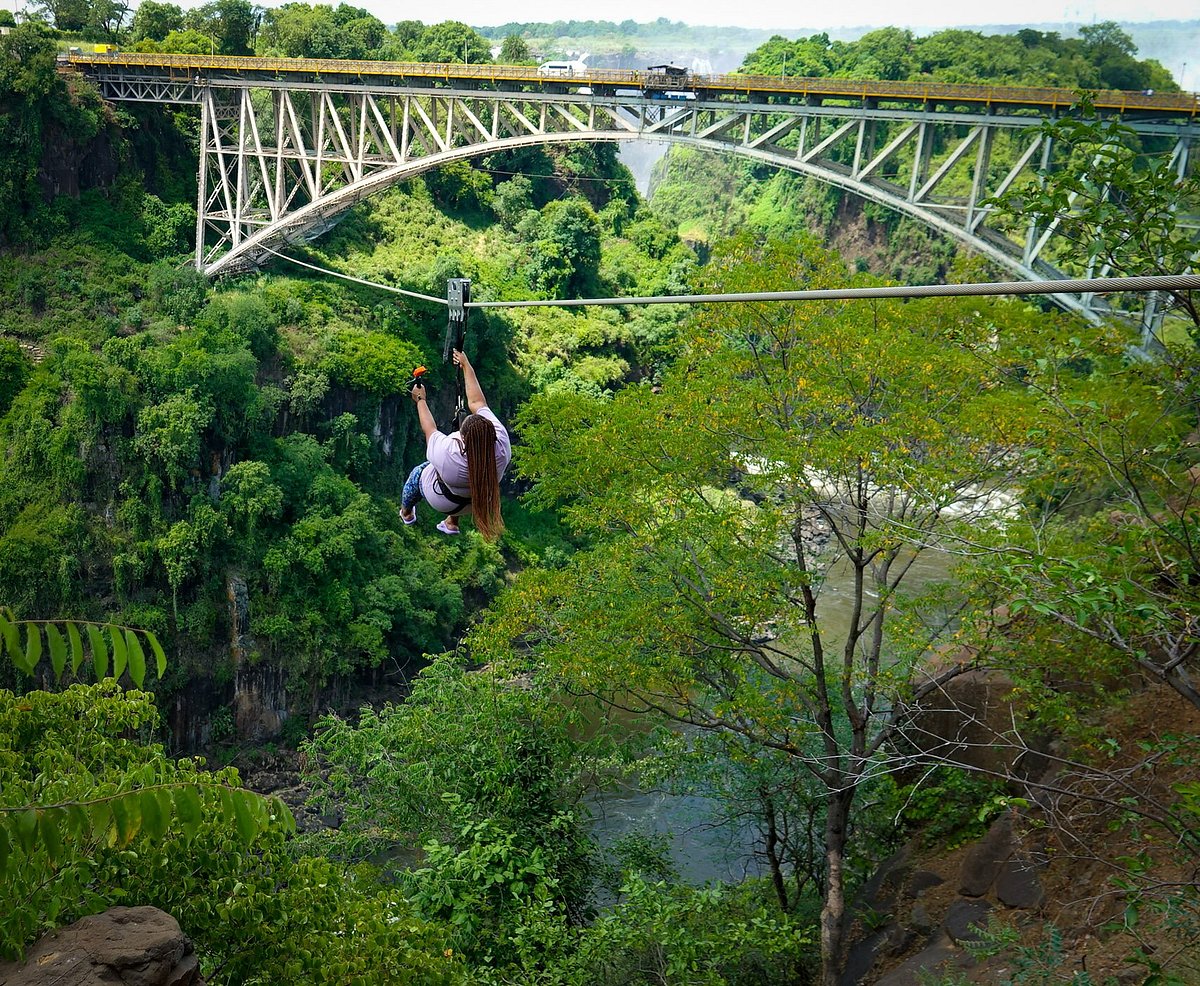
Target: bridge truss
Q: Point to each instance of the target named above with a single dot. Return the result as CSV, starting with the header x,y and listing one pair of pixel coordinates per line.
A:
x,y
282,157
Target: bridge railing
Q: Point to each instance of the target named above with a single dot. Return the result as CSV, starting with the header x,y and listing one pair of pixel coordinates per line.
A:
x,y
1173,103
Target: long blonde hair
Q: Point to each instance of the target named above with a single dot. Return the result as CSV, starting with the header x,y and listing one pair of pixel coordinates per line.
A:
x,y
479,440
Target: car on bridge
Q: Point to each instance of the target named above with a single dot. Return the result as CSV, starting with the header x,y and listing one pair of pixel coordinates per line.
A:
x,y
561,69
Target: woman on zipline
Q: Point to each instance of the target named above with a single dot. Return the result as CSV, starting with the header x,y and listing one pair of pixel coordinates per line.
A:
x,y
461,472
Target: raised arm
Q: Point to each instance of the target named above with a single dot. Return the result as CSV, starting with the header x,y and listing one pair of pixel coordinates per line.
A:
x,y
424,415
475,398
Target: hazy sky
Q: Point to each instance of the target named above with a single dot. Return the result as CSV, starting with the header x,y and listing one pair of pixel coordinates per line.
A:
x,y
780,14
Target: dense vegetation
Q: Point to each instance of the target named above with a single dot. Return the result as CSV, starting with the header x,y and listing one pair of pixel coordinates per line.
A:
x,y
173,438
220,464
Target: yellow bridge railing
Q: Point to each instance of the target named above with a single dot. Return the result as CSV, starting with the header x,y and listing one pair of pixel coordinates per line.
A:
x,y
1165,103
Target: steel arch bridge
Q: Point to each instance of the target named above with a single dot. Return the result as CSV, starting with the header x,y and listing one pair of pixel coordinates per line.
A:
x,y
286,145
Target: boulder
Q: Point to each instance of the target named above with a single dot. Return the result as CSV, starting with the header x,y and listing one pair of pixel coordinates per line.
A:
x,y
964,918
1018,884
937,958
921,881
969,721
920,920
862,957
986,858
124,946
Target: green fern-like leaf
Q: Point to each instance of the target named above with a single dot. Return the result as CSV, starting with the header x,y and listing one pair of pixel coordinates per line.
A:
x,y
119,819
159,657
76,647
247,827
137,658
187,808
33,646
158,804
127,649
99,651
120,655
58,649
48,830
10,637
25,828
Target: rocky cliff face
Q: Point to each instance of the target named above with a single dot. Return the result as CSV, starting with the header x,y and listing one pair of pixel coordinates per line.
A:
x,y
69,166
1055,871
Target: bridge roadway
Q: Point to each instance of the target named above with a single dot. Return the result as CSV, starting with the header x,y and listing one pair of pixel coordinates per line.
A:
x,y
287,145
218,69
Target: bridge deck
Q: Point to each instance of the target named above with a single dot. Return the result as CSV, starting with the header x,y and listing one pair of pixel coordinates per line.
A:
x,y
239,70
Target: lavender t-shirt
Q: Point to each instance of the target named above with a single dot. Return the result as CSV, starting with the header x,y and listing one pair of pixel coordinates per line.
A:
x,y
447,455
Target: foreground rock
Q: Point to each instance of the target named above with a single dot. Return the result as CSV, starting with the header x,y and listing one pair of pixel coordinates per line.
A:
x,y
133,946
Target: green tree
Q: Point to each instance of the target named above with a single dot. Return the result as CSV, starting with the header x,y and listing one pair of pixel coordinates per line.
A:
x,y
29,89
459,186
371,362
154,21
513,198
702,603
170,435
1101,567
250,500
107,18
514,50
451,41
485,775
14,372
1107,36
103,793
884,54
298,30
567,250
93,812
189,42
230,25
67,15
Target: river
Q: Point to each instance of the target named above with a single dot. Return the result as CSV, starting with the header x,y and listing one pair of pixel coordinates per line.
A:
x,y
701,848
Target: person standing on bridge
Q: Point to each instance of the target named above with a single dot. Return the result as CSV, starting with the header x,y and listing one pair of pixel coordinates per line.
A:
x,y
461,472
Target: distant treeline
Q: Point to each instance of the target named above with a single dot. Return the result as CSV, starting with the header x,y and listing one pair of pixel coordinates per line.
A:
x,y
652,30
1103,56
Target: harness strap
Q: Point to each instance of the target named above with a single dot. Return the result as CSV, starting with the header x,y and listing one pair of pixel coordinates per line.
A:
x,y
441,489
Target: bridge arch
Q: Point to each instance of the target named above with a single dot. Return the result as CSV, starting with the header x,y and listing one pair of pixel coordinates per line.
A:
x,y
316,216
287,144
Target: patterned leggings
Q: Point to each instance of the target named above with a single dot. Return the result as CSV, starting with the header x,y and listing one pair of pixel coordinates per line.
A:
x,y
412,487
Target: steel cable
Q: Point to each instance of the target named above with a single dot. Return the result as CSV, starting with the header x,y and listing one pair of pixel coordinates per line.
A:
x,y
1091,285
358,280
1088,285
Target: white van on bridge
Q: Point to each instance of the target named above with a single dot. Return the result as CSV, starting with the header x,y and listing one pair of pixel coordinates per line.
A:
x,y
562,69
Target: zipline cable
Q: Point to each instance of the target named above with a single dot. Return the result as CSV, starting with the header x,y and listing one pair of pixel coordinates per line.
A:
x,y
358,280
1090,285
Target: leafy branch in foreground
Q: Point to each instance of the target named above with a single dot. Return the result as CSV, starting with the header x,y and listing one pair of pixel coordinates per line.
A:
x,y
64,641
80,788
115,820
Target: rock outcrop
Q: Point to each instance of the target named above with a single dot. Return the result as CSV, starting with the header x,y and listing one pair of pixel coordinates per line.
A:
x,y
931,916
130,946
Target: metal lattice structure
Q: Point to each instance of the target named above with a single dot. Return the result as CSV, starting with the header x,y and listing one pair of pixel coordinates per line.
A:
x,y
284,149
